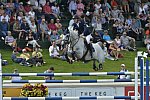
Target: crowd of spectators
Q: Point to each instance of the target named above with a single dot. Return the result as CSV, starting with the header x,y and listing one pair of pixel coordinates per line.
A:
x,y
118,22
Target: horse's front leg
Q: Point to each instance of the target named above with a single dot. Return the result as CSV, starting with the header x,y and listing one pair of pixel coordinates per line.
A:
x,y
68,59
100,66
94,66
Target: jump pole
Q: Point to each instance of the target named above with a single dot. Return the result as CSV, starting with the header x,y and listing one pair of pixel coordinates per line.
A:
x,y
136,78
1,85
147,79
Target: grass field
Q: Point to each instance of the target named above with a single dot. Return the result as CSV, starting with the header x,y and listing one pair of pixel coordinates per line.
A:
x,y
63,66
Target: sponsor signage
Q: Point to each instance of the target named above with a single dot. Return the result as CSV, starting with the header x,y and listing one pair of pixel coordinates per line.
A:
x,y
87,91
129,91
11,92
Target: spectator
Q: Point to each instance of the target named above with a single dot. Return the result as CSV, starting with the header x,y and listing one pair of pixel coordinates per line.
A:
x,y
97,6
2,11
6,17
128,42
48,12
38,57
106,53
52,25
147,43
80,8
24,29
32,41
15,58
117,42
9,40
33,29
42,2
114,50
27,8
16,77
54,50
56,10
16,29
73,7
59,26
55,37
4,27
123,69
106,36
50,70
27,60
125,5
44,29
21,7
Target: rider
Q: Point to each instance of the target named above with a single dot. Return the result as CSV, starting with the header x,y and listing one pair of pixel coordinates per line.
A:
x,y
89,40
80,25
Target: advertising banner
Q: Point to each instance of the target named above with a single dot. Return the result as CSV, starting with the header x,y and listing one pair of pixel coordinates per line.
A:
x,y
11,92
129,91
86,91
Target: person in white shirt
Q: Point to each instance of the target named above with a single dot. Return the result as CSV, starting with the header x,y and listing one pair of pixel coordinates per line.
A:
x,y
42,2
73,7
54,50
123,69
16,77
6,17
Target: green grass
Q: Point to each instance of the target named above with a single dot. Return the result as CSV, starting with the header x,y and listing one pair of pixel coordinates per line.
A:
x,y
63,66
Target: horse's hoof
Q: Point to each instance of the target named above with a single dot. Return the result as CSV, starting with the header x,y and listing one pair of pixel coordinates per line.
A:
x,y
95,69
100,67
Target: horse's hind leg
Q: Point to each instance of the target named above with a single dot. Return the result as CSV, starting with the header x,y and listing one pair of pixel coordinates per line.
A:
x,y
94,66
100,66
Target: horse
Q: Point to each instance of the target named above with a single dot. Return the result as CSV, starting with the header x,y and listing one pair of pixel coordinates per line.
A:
x,y
77,46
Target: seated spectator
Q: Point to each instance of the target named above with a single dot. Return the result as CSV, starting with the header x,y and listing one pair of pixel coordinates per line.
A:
x,y
147,43
33,28
16,77
38,57
21,7
114,50
54,51
16,58
52,25
27,7
117,42
128,42
16,29
80,8
55,37
4,27
49,70
9,40
24,29
73,7
44,29
42,2
32,41
106,36
56,10
107,55
27,58
59,26
48,12
123,69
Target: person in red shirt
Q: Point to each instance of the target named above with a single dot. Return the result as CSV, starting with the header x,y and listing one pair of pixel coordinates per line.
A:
x,y
52,25
114,3
27,8
47,9
48,12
